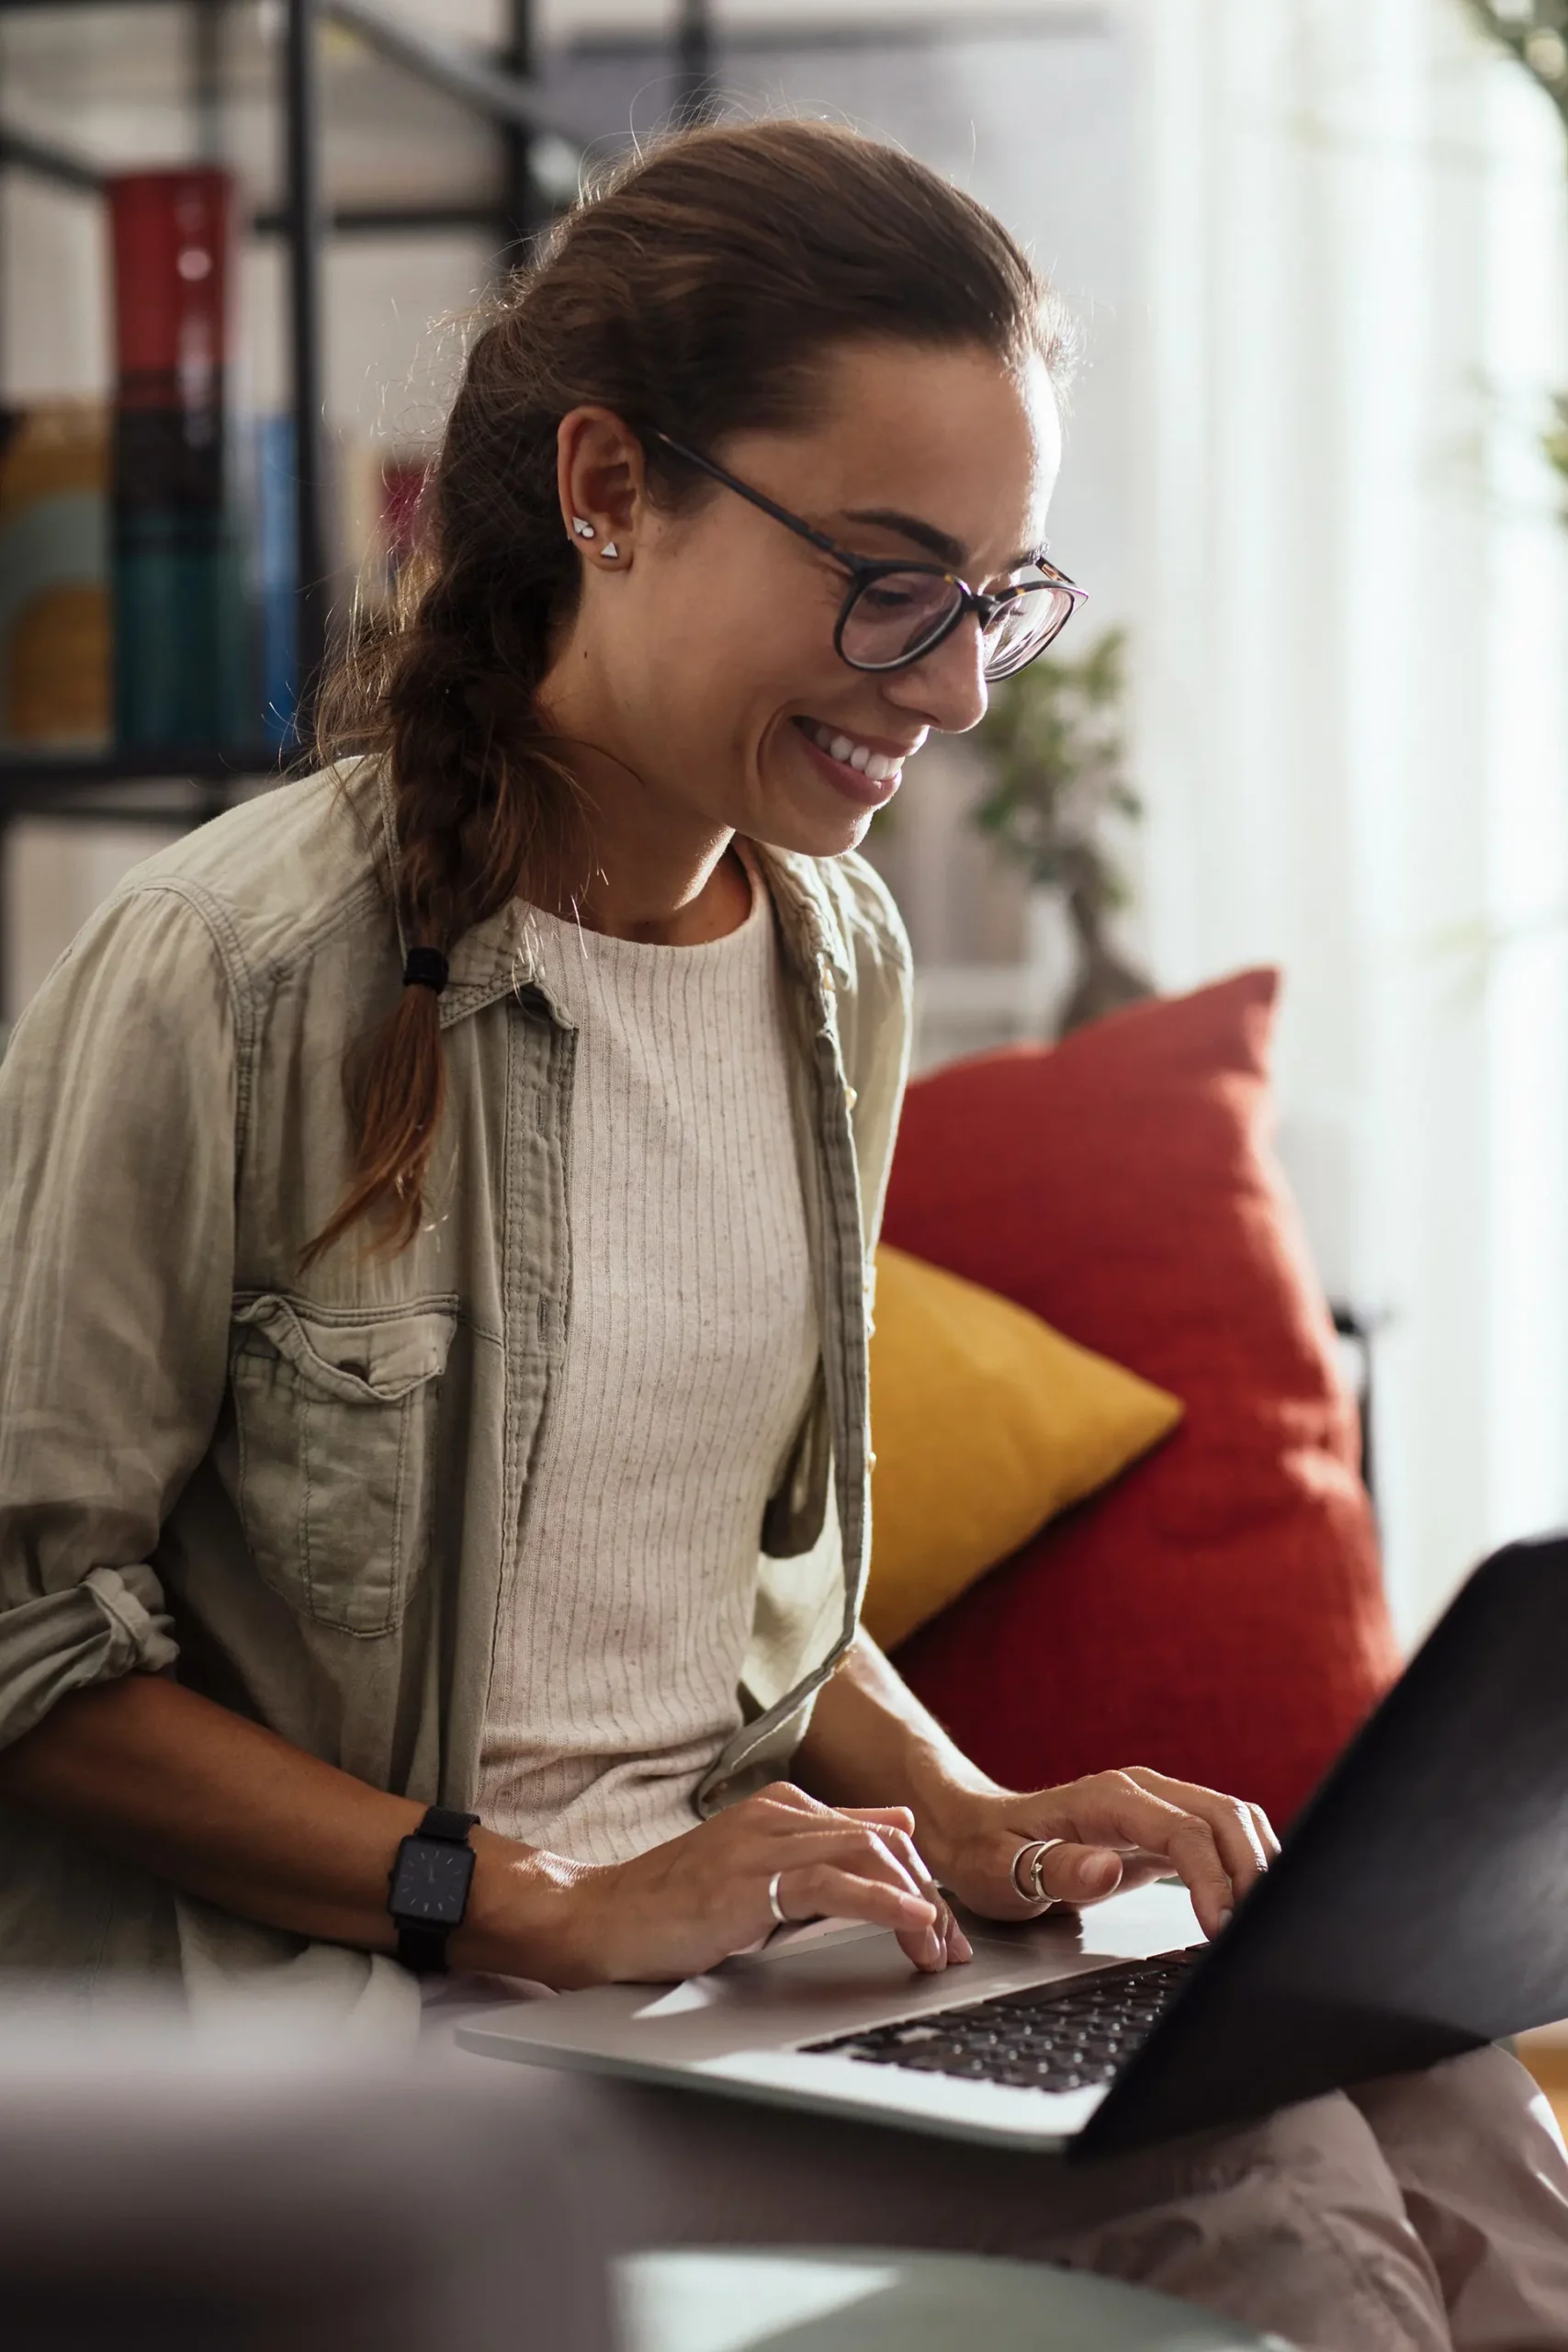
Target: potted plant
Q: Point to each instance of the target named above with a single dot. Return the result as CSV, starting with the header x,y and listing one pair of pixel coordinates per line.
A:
x,y
1536,32
1052,741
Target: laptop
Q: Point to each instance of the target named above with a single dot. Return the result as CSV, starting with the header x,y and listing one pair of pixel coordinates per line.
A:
x,y
1419,1908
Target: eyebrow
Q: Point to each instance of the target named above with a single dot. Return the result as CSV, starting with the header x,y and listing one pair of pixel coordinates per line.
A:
x,y
941,544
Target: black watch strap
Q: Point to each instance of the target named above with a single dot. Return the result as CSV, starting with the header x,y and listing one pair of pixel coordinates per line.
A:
x,y
422,1948
442,1821
421,1943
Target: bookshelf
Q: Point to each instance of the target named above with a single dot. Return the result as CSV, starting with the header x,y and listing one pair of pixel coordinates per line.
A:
x,y
175,789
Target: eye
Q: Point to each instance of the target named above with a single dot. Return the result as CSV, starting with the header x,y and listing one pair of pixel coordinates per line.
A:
x,y
893,595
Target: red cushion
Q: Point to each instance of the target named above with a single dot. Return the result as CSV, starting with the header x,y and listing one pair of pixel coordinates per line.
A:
x,y
1219,1612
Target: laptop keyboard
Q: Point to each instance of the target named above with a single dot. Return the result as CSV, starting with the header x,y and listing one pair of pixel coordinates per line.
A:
x,y
1066,2036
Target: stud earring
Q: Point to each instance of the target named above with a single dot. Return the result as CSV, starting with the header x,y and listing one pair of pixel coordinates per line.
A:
x,y
584,530
610,549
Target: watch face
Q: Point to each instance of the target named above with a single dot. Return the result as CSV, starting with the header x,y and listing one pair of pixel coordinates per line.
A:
x,y
431,1880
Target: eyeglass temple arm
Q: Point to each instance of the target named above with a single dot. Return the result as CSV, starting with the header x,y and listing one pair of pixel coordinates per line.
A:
x,y
757,497
820,539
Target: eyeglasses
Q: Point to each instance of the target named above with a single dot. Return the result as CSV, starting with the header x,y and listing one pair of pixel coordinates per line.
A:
x,y
897,612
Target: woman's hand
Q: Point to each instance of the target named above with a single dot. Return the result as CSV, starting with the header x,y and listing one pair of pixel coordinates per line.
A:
x,y
1119,1829
686,1906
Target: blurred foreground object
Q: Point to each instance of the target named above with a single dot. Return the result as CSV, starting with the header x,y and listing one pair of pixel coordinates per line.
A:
x,y
245,2188
819,2300
1052,739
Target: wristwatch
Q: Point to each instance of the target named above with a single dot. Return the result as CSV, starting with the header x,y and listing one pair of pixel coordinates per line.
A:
x,y
429,1886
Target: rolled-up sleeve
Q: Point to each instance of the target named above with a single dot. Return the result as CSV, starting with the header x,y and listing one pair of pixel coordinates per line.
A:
x,y
117,1105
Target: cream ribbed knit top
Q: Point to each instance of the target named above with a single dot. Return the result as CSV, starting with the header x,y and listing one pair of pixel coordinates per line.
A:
x,y
690,1344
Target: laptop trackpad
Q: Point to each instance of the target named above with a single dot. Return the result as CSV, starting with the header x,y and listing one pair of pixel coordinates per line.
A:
x,y
801,1937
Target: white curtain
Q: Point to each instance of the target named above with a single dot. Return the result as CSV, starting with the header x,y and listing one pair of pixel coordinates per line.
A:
x,y
1350,602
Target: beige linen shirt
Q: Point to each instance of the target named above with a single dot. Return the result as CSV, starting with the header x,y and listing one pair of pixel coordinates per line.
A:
x,y
299,1492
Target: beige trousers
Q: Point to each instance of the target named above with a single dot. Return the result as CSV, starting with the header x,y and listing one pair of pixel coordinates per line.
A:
x,y
1427,2213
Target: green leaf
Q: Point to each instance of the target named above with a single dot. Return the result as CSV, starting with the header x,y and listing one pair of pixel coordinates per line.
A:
x,y
1053,737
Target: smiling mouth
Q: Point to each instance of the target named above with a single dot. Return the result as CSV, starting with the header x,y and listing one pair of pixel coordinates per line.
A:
x,y
849,754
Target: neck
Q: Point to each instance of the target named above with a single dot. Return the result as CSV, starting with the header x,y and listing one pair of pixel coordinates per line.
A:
x,y
648,870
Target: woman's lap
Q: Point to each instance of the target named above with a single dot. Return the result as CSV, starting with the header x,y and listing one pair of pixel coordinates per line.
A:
x,y
1423,2213
1480,2164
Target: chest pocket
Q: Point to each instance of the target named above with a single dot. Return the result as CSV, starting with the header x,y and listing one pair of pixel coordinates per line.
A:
x,y
335,1422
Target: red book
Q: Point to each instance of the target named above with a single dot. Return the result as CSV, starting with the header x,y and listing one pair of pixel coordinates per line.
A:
x,y
171,233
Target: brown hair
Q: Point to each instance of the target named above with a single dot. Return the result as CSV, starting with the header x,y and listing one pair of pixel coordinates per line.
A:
x,y
695,291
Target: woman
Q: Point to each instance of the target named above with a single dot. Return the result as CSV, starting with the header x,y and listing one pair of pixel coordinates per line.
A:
x,y
438,1207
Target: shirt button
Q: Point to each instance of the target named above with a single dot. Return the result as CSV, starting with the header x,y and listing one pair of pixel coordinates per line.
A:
x,y
871,1461
851,1098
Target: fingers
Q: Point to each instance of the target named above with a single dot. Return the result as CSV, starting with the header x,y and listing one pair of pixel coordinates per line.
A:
x,y
879,1833
821,1890
1081,1874
950,1941
901,1846
1265,1828
1243,1839
941,1947
1113,1821
858,1878
1075,1873
871,1844
1109,1824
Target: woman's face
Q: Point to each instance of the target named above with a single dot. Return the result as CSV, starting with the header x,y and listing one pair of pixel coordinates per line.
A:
x,y
702,655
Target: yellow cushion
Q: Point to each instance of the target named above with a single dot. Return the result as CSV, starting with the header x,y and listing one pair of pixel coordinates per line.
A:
x,y
986,1422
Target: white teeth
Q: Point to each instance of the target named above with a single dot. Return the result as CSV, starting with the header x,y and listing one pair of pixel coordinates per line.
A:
x,y
859,756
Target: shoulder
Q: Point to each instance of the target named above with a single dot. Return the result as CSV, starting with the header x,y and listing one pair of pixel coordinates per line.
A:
x,y
194,949
177,974
274,879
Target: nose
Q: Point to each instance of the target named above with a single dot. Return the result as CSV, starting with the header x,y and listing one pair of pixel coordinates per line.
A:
x,y
947,686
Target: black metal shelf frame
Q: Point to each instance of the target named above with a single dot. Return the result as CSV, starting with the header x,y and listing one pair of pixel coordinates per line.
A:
x,y
111,787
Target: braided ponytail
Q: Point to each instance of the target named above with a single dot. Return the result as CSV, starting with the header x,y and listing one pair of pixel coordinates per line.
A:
x,y
446,691
692,293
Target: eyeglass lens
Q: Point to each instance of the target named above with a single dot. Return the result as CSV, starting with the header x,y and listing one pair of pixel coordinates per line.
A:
x,y
897,617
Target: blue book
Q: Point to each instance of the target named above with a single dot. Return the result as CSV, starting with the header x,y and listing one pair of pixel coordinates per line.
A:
x,y
273,576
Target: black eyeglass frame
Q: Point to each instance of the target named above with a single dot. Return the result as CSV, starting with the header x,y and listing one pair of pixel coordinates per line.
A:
x,y
863,571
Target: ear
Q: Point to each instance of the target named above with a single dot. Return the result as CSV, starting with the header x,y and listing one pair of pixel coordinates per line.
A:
x,y
599,478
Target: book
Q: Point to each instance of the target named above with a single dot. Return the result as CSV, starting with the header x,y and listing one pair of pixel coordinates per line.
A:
x,y
182,665
273,576
54,615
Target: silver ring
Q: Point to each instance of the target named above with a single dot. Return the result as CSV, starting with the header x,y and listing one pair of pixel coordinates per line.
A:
x,y
1037,1848
781,1917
